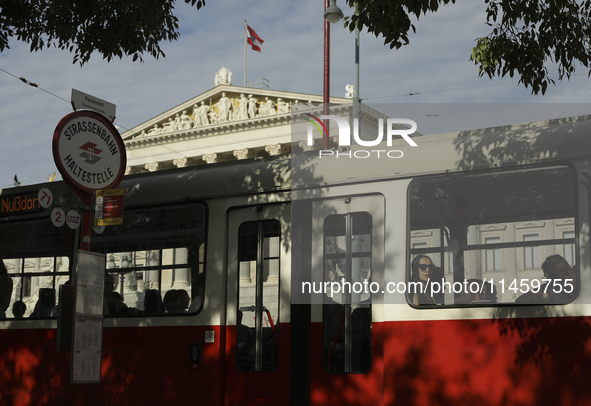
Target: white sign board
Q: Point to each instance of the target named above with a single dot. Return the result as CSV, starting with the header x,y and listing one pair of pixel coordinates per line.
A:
x,y
73,219
58,217
45,198
90,279
83,101
87,333
88,151
87,351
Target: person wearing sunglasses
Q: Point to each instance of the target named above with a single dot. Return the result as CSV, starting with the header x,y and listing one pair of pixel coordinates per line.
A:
x,y
423,270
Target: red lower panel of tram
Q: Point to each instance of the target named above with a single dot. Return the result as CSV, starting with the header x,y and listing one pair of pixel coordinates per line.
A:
x,y
515,361
499,362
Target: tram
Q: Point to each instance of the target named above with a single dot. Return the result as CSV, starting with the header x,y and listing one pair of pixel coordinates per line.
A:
x,y
278,281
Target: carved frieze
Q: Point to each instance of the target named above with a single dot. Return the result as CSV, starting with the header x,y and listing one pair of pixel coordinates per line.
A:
x,y
152,167
227,109
212,158
276,149
183,162
243,153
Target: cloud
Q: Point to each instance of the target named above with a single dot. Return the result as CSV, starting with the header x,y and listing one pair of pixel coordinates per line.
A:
x,y
291,59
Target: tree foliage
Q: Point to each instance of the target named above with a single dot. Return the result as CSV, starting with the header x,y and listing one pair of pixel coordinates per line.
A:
x,y
113,28
526,38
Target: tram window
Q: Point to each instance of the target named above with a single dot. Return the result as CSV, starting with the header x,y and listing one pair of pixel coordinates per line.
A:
x,y
494,259
156,261
257,326
568,250
35,282
346,315
36,256
494,231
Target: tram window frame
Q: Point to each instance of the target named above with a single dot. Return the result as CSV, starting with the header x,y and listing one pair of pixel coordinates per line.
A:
x,y
151,239
36,253
344,334
538,200
251,356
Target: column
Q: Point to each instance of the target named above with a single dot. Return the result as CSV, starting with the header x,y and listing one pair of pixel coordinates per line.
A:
x,y
153,167
243,154
183,162
276,149
212,158
152,259
182,277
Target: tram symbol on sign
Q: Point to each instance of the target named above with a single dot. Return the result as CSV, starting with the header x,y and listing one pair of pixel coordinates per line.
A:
x,y
91,152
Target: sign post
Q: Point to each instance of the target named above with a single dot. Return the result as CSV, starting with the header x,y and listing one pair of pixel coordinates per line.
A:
x,y
90,154
83,101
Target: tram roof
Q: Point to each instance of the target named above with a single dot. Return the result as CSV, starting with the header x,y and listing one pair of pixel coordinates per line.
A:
x,y
556,140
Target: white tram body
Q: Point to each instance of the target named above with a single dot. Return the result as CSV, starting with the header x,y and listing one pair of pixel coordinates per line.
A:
x,y
221,275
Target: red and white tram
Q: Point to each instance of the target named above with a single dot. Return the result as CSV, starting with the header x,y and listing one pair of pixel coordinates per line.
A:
x,y
210,303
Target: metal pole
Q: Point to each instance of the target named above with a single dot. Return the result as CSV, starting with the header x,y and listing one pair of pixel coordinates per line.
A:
x,y
326,93
356,99
84,246
245,36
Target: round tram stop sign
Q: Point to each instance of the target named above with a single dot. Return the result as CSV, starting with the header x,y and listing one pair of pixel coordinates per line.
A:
x,y
89,152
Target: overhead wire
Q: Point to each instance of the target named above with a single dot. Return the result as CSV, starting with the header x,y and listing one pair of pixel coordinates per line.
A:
x,y
450,90
36,86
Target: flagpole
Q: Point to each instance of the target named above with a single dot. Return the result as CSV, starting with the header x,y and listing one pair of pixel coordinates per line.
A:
x,y
245,29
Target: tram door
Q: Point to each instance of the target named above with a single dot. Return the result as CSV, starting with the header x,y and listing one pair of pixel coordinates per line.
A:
x,y
258,306
348,262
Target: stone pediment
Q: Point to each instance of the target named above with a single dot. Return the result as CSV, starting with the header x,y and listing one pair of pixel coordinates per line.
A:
x,y
222,108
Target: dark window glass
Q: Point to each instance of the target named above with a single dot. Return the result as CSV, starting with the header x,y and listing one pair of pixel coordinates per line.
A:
x,y
257,335
346,315
155,261
37,257
491,234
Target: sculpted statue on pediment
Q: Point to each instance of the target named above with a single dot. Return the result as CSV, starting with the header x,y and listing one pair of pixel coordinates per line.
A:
x,y
177,123
167,127
282,107
223,77
196,115
242,113
267,108
224,109
201,114
349,91
186,121
154,130
252,106
213,117
228,109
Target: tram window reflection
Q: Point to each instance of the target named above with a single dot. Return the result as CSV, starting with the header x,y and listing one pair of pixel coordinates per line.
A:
x,y
34,283
257,326
493,230
157,261
346,315
36,255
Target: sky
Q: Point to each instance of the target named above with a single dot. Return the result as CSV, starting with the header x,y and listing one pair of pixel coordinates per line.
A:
x,y
434,68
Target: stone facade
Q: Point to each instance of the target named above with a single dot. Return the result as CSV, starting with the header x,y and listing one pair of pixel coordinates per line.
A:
x,y
226,123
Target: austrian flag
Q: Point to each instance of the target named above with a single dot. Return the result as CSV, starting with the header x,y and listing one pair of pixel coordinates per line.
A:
x,y
254,40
